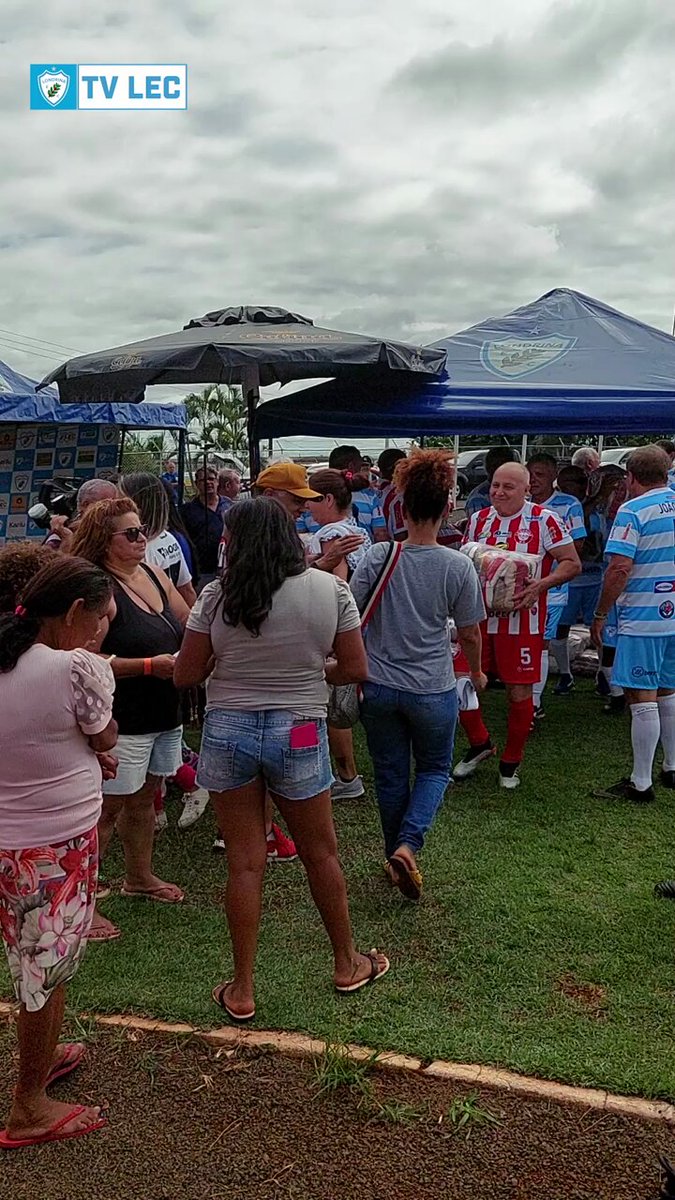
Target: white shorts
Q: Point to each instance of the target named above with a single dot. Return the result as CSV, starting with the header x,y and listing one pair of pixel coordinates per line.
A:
x,y
143,754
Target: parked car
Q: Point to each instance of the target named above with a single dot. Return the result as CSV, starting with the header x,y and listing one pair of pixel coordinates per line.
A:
x,y
471,470
617,456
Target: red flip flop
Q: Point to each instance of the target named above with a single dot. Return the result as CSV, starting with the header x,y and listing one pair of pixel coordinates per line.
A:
x,y
75,1052
55,1134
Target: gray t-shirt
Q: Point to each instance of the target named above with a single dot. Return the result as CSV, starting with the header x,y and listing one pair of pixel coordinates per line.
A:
x,y
283,668
407,639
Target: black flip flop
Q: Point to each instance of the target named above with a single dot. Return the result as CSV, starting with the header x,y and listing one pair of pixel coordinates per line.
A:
x,y
217,995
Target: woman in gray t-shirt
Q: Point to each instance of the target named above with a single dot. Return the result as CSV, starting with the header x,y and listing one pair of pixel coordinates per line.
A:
x,y
262,635
410,700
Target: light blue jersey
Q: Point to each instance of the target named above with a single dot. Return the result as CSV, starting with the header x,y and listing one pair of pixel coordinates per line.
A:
x,y
671,478
644,531
366,510
571,515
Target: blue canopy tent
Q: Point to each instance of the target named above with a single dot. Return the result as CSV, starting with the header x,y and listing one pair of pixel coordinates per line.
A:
x,y
564,364
20,404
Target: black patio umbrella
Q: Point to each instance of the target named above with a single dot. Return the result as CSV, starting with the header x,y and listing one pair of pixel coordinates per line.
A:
x,y
250,346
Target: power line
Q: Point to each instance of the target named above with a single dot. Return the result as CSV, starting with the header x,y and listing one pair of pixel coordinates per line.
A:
x,y
28,337
26,351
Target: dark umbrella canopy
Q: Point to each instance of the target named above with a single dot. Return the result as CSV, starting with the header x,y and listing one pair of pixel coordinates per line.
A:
x,y
251,346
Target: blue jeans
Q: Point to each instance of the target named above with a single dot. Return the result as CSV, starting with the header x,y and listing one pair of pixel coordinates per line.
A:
x,y
401,726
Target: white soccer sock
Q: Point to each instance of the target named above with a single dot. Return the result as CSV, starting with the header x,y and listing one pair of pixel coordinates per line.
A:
x,y
667,718
645,730
538,688
560,649
614,689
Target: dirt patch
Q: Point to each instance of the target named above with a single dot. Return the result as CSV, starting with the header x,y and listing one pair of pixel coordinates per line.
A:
x,y
188,1122
589,997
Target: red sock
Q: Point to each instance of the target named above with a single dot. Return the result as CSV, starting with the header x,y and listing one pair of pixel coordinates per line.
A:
x,y
474,727
518,728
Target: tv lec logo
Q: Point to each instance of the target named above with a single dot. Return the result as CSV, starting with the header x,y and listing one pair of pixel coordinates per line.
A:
x,y
108,86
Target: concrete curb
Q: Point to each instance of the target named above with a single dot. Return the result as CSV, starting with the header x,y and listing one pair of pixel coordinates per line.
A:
x,y
300,1046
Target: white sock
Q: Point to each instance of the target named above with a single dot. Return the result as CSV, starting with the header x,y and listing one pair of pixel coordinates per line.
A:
x,y
667,717
538,689
560,649
645,730
615,690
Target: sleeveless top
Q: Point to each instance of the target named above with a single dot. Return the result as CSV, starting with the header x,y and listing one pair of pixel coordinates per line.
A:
x,y
143,703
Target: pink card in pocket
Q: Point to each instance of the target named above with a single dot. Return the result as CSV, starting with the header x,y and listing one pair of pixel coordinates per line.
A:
x,y
304,736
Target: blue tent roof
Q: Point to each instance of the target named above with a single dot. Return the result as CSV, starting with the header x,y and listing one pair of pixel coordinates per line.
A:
x,y
19,403
564,364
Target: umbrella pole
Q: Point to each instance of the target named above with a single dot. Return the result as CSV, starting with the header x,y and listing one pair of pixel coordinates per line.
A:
x,y
181,465
251,386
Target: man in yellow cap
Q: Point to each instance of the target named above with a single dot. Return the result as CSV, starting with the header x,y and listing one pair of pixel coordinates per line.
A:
x,y
286,482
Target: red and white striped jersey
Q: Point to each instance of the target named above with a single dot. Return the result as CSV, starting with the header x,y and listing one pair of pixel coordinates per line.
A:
x,y
533,530
391,503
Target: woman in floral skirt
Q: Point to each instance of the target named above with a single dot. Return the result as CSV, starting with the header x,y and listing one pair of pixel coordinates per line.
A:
x,y
56,731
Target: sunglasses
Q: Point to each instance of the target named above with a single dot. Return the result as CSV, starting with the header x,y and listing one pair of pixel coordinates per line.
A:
x,y
133,534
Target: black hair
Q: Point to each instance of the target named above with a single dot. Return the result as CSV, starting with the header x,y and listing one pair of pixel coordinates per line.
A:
x,y
388,460
339,484
425,480
147,492
51,593
497,457
667,445
263,551
343,457
544,459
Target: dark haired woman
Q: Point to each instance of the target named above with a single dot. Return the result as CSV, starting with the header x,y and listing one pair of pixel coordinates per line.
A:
x,y
178,528
262,636
50,801
162,548
410,700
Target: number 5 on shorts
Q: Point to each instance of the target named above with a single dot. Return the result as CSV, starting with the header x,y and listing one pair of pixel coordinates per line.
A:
x,y
525,656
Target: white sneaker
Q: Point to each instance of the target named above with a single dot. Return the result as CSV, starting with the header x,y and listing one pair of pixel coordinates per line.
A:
x,y
473,758
218,846
161,821
194,807
348,789
509,781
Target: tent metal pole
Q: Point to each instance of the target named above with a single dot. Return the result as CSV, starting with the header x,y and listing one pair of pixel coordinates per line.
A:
x,y
601,442
120,454
523,448
181,464
453,493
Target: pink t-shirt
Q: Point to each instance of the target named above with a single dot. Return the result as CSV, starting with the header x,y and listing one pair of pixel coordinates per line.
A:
x,y
50,779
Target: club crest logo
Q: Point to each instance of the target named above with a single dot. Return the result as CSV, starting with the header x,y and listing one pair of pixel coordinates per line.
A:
x,y
514,357
667,609
54,86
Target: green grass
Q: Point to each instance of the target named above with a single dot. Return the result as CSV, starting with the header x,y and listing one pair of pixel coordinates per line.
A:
x,y
523,890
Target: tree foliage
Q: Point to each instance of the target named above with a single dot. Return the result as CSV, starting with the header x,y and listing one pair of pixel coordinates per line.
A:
x,y
217,421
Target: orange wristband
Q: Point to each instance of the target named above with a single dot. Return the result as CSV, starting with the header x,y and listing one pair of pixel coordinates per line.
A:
x,y
147,666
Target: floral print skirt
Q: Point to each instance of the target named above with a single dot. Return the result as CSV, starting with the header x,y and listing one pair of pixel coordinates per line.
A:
x,y
47,898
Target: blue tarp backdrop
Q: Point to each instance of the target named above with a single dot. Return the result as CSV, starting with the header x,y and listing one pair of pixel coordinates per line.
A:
x,y
564,364
20,403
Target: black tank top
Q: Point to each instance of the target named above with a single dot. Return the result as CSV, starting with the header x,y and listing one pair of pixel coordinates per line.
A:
x,y
144,704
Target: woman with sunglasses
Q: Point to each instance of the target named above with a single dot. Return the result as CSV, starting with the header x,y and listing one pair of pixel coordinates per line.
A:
x,y
142,640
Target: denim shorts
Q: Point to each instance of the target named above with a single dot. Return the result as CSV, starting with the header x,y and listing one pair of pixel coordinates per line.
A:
x,y
142,754
240,747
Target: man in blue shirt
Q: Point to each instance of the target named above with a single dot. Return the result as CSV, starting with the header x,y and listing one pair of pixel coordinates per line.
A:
x,y
203,519
543,469
170,476
640,580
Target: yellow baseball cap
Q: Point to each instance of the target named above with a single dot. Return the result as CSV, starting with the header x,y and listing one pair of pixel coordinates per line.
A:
x,y
287,477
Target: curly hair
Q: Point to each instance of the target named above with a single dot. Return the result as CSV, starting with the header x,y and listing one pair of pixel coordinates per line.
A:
x,y
338,484
425,480
51,593
147,492
19,562
96,527
263,551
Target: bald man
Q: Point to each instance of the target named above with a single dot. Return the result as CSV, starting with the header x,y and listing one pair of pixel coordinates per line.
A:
x,y
513,644
61,530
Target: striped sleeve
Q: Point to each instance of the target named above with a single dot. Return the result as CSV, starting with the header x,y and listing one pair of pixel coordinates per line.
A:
x,y
624,535
575,521
553,532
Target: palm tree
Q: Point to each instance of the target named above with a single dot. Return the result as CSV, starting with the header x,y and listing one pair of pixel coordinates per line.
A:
x,y
217,421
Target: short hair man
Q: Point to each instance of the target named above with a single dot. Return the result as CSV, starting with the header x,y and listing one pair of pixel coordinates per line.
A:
x,y
480,496
61,529
170,475
512,644
229,486
587,458
390,501
203,517
640,580
669,448
543,469
365,501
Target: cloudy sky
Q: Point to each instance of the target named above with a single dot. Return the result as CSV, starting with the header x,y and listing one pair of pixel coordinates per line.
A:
x,y
403,167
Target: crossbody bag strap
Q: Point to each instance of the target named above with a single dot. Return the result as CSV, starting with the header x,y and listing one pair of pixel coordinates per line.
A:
x,y
379,587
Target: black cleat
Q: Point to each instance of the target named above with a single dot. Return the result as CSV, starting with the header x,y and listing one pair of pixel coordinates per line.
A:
x,y
625,789
615,706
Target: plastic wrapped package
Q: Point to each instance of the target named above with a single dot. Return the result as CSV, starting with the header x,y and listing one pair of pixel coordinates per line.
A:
x,y
503,574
